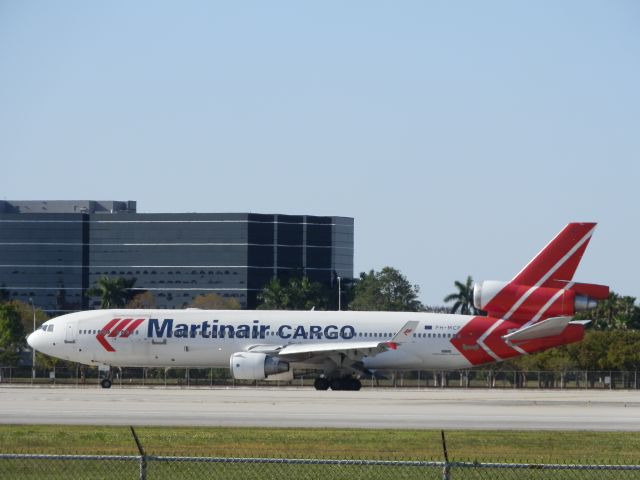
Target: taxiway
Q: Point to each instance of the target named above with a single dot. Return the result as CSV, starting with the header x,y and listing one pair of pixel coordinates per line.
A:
x,y
302,407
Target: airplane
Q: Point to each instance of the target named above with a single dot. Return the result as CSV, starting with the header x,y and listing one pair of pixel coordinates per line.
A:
x,y
532,312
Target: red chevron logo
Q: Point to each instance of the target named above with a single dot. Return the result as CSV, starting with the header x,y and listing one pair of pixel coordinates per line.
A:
x,y
117,327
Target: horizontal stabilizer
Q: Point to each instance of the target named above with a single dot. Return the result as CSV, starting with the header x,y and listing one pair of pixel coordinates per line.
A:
x,y
547,328
584,323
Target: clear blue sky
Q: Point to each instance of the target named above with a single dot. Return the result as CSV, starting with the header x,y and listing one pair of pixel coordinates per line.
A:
x,y
460,135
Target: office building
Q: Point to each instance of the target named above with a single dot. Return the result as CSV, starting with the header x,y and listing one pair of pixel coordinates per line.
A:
x,y
53,251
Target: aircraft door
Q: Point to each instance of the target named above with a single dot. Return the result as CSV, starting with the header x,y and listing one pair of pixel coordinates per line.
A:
x,y
70,336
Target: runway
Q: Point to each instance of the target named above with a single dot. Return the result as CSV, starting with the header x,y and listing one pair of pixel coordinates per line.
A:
x,y
304,407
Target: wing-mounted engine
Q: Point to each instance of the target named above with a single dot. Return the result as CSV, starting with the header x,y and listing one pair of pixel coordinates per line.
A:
x,y
524,302
257,366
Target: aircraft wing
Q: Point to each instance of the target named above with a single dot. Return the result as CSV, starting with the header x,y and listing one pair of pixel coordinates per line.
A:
x,y
310,349
339,352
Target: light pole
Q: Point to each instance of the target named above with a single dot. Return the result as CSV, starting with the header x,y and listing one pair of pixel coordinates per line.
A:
x,y
33,350
339,295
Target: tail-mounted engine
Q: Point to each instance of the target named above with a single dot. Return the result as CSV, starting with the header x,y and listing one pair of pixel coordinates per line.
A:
x,y
255,366
525,301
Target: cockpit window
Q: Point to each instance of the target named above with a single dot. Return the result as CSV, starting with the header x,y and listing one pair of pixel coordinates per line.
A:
x,y
51,328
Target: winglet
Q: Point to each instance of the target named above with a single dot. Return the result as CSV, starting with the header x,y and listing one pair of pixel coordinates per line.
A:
x,y
403,335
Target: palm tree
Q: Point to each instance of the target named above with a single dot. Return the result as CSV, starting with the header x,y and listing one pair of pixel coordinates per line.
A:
x,y
113,293
463,298
297,293
273,296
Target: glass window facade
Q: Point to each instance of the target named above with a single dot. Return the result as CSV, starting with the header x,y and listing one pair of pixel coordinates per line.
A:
x,y
54,258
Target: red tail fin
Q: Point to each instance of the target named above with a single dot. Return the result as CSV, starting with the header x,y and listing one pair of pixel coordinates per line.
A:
x,y
559,259
544,288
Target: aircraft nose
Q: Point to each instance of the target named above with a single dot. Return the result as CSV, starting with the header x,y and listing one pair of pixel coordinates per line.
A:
x,y
35,340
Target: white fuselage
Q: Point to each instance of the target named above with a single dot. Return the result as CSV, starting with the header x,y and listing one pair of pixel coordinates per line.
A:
x,y
208,338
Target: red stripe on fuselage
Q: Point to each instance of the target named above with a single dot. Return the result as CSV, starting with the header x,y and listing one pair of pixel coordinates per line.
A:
x,y
497,345
120,326
466,341
105,331
132,328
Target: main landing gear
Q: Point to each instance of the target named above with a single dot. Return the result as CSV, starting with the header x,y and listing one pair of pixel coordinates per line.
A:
x,y
104,373
343,383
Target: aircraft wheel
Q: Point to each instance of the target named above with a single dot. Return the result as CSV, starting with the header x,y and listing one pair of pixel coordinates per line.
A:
x,y
105,383
355,384
321,383
338,384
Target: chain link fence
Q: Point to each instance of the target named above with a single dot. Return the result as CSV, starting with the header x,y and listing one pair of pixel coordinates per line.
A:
x,y
143,467
154,467
80,375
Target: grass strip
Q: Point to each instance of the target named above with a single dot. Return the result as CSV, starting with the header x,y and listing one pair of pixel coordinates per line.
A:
x,y
492,445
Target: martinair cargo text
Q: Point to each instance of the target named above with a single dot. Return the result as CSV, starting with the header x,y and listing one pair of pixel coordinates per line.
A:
x,y
532,312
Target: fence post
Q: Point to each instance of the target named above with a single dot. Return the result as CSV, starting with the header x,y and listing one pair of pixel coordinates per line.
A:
x,y
446,470
143,456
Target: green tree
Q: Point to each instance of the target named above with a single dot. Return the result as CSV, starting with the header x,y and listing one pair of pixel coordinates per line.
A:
x,y
624,350
386,290
591,352
25,310
274,296
213,301
12,334
113,292
298,293
463,298
616,312
142,300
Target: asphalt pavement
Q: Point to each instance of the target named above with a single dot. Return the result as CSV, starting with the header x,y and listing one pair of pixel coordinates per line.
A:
x,y
305,407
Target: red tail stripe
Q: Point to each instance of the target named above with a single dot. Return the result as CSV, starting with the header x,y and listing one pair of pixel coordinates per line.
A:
x,y
553,252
